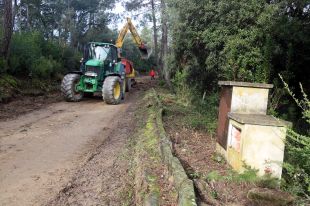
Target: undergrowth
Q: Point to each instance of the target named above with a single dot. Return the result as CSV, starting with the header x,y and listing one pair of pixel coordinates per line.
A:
x,y
198,113
11,87
296,168
8,86
248,176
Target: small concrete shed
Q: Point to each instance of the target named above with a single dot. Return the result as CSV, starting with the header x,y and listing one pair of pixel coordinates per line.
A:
x,y
258,141
242,98
245,134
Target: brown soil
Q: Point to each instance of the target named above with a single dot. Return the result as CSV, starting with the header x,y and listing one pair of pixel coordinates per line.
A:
x,y
196,151
104,176
26,104
66,153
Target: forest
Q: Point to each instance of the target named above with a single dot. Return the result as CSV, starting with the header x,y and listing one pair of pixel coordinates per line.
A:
x,y
195,44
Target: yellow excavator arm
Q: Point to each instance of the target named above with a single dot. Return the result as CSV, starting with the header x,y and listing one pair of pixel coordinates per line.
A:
x,y
121,36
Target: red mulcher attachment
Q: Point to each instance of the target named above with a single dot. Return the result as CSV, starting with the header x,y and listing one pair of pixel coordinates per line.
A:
x,y
128,66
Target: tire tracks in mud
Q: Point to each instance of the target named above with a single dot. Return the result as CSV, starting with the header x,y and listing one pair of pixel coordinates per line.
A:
x,y
104,175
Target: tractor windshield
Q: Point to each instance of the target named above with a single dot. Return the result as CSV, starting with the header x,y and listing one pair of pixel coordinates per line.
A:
x,y
99,52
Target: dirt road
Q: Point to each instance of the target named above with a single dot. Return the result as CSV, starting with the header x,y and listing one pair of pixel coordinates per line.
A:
x,y
64,153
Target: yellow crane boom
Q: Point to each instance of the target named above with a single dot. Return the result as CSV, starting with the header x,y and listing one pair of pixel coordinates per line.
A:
x,y
121,36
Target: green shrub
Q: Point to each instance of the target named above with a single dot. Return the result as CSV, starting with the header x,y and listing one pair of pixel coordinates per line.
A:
x,y
201,109
8,81
8,86
25,49
3,65
296,166
52,50
32,55
183,91
214,176
44,68
71,59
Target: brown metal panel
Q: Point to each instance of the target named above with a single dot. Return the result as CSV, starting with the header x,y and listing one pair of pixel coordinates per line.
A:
x,y
225,106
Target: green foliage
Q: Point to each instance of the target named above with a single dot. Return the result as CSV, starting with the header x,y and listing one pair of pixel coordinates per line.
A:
x,y
7,80
183,90
3,65
52,50
214,176
240,40
198,114
249,176
203,109
208,105
25,49
267,181
217,157
70,59
32,55
161,82
247,41
44,68
48,35
8,85
296,173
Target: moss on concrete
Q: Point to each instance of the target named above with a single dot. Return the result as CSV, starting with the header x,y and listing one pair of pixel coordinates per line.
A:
x,y
154,147
184,186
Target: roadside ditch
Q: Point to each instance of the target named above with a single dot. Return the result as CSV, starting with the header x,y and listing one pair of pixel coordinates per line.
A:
x,y
159,176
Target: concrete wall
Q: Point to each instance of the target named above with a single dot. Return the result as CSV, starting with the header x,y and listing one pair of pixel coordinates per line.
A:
x,y
261,147
247,100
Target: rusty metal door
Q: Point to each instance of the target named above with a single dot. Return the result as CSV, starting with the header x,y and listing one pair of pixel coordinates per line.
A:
x,y
224,108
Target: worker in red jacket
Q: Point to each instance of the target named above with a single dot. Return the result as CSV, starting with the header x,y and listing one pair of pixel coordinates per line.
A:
x,y
152,74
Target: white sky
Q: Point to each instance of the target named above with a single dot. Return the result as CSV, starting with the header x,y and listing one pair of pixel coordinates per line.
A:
x,y
120,9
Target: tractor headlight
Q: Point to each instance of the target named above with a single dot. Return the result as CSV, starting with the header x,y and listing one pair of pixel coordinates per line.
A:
x,y
91,74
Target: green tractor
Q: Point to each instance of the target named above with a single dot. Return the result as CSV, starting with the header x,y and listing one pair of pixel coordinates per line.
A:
x,y
101,71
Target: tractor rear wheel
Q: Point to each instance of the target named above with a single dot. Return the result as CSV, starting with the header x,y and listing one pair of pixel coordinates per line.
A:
x,y
68,88
112,90
128,84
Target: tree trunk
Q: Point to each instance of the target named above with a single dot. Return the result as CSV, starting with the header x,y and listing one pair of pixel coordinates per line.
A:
x,y
164,42
27,16
155,33
15,13
7,28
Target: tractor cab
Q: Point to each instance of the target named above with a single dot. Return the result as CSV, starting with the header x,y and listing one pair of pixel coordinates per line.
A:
x,y
99,59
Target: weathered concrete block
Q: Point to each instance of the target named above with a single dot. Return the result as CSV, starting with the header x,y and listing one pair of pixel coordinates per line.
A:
x,y
166,153
178,172
183,185
187,194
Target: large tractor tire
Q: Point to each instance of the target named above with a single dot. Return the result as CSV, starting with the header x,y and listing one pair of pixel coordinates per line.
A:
x,y
128,84
123,89
68,88
112,90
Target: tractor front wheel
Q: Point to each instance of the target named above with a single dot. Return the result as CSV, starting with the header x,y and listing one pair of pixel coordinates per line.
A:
x,y
128,84
112,90
68,88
